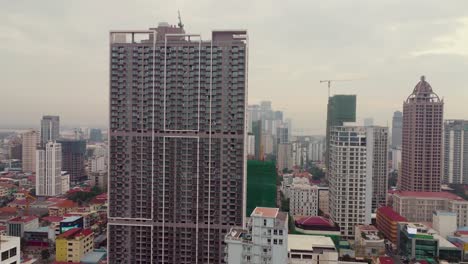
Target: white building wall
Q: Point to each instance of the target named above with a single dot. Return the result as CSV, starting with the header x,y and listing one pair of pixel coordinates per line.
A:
x,y
10,246
49,170
98,164
303,200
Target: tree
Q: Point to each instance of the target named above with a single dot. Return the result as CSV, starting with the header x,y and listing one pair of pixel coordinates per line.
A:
x,y
45,254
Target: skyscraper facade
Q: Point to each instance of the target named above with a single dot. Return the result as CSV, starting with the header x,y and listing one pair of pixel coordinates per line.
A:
x,y
357,174
177,144
456,151
50,129
341,109
73,158
421,158
397,129
95,135
378,136
30,142
257,132
49,170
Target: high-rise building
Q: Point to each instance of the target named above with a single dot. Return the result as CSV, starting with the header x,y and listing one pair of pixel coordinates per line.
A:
x,y
379,139
177,144
456,151
357,162
397,129
421,156
50,129
30,142
282,135
284,157
257,132
340,109
73,158
49,170
95,135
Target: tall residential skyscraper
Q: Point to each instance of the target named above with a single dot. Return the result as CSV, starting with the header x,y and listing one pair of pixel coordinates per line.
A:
x,y
73,158
50,129
397,129
421,156
357,174
177,144
95,135
30,142
49,170
341,109
456,151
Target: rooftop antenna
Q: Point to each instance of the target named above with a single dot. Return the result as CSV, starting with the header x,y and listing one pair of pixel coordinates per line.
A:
x,y
180,20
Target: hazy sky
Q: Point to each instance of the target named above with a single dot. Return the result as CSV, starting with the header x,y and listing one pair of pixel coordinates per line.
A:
x,y
54,54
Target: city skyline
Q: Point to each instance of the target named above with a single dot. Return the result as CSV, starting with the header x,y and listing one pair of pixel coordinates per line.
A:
x,y
329,48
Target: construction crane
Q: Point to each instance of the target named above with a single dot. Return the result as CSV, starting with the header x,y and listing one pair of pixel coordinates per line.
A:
x,y
180,20
330,81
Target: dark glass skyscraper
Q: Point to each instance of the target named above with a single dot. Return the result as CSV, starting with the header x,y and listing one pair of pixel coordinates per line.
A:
x,y
421,158
50,129
340,109
73,158
177,144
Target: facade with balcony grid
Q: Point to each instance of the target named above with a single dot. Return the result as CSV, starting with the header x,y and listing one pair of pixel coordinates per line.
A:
x,y
421,156
177,144
357,175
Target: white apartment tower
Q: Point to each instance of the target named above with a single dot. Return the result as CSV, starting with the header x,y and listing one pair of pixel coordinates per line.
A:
x,y
304,199
356,160
264,241
49,170
455,151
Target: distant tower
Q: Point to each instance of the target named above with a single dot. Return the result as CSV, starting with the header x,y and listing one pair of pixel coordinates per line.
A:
x,y
49,170
456,151
30,142
397,128
421,161
73,158
50,129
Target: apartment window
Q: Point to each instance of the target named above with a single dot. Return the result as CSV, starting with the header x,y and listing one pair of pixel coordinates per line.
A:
x,y
275,232
264,222
12,252
275,241
280,232
280,241
5,255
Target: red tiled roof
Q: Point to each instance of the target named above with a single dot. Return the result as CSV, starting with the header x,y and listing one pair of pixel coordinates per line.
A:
x,y
444,195
67,204
386,260
315,221
53,219
75,232
8,210
265,211
388,211
23,219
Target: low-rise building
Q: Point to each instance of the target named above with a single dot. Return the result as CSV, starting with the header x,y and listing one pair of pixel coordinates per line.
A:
x,y
62,208
265,240
304,199
417,241
10,249
387,222
71,223
304,249
368,242
72,245
318,226
419,206
18,225
42,237
445,223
